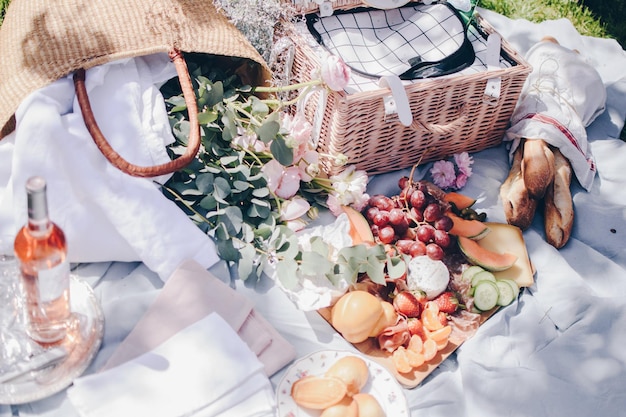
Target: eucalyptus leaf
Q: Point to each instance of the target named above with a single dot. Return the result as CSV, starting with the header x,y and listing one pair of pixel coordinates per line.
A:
x,y
375,270
267,131
287,273
281,152
245,267
396,267
207,117
205,182
221,189
314,263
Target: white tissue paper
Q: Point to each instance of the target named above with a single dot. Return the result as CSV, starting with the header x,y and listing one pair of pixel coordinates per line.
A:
x,y
315,292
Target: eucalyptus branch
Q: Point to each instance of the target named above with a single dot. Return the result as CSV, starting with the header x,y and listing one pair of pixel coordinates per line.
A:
x,y
179,198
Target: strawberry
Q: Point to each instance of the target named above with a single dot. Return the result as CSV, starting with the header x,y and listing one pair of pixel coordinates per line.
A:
x,y
416,327
447,302
406,304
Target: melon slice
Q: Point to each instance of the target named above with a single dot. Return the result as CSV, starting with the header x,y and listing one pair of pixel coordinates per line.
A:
x,y
459,200
509,238
488,259
360,230
471,229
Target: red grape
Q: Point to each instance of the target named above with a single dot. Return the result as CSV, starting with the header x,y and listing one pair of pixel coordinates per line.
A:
x,y
381,218
418,199
432,212
417,249
434,251
417,215
404,245
386,234
382,202
442,238
443,223
396,216
403,182
371,212
425,233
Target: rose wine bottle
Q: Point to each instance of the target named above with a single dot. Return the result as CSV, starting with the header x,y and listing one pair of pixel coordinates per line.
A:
x,y
45,271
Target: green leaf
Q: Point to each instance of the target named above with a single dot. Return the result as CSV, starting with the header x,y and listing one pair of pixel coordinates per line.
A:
x,y
314,263
215,93
281,152
208,202
245,266
232,219
287,273
375,269
206,117
268,131
396,267
178,103
221,189
205,182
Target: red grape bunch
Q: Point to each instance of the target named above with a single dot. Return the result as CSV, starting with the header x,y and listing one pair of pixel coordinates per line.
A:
x,y
414,221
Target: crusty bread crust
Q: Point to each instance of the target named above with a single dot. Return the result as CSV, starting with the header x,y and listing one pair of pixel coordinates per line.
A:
x,y
558,205
519,206
537,167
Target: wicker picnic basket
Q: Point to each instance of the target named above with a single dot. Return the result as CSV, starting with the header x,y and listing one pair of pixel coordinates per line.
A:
x,y
450,114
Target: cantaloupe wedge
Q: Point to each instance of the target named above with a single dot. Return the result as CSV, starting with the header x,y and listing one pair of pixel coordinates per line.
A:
x,y
505,237
459,200
360,230
487,258
472,229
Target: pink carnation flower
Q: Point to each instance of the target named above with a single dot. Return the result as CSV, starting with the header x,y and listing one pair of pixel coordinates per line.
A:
x,y
464,163
443,174
284,182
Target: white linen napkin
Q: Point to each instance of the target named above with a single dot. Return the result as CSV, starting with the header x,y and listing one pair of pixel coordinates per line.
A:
x,y
561,97
106,215
204,370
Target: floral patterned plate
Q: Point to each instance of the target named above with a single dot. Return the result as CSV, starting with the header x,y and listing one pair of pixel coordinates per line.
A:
x,y
381,384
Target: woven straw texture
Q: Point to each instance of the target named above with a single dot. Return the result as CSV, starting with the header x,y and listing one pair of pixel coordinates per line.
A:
x,y
450,115
44,40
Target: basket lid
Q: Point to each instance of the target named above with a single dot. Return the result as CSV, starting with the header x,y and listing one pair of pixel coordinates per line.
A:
x,y
44,40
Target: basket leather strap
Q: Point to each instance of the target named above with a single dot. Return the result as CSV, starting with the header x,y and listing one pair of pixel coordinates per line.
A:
x,y
115,158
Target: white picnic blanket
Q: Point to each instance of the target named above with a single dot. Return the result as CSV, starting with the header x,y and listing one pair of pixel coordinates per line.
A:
x,y
557,351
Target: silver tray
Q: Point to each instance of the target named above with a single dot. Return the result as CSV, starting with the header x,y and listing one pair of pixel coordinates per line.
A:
x,y
82,343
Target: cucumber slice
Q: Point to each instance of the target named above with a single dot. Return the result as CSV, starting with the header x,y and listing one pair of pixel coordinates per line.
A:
x,y
486,295
513,285
469,273
505,293
483,276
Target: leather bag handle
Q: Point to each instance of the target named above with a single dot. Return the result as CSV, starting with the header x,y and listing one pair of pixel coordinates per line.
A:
x,y
115,158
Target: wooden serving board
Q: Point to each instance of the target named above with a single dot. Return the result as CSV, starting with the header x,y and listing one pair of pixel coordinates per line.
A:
x,y
501,238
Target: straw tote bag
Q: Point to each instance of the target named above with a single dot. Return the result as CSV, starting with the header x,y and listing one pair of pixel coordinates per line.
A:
x,y
44,40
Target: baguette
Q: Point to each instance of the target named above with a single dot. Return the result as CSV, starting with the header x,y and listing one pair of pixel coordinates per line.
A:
x,y
519,206
558,204
537,167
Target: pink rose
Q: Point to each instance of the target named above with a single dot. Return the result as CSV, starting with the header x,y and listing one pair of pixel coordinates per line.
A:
x,y
335,73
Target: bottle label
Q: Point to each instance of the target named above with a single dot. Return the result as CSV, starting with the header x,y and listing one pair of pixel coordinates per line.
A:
x,y
53,281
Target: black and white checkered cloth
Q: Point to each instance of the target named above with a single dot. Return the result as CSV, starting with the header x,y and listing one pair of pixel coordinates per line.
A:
x,y
375,43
